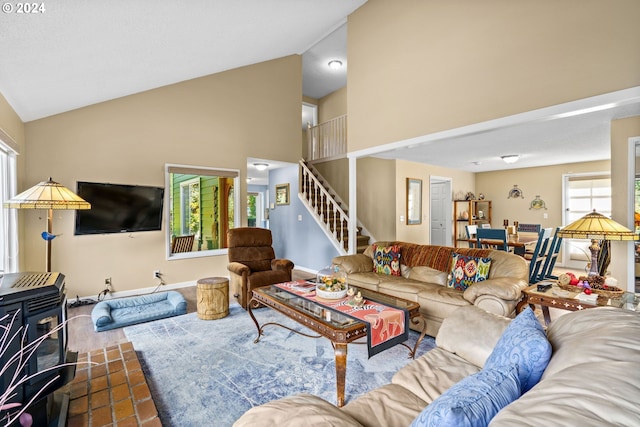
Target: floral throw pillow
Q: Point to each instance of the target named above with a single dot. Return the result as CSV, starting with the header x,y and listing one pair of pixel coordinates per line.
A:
x,y
386,260
467,270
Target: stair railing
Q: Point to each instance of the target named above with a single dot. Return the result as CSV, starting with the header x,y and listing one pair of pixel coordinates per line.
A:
x,y
328,139
337,198
332,219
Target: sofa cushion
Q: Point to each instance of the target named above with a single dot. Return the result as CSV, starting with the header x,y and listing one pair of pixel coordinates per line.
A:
x,y
459,333
303,410
432,374
386,260
392,403
428,274
467,270
525,344
474,401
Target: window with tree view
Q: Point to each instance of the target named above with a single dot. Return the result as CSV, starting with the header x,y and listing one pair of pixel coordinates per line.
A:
x,y
202,208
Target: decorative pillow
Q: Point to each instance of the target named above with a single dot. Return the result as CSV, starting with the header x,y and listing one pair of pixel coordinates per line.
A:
x,y
473,401
525,344
386,260
467,270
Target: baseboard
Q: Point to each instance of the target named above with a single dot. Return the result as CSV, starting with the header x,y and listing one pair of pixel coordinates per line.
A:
x,y
139,291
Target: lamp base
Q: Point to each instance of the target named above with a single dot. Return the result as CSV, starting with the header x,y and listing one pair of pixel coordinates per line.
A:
x,y
595,249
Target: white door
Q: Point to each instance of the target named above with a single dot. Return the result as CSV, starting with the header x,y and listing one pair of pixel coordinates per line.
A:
x,y
440,211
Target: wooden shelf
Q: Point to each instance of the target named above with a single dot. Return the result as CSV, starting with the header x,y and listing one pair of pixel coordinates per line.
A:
x,y
472,208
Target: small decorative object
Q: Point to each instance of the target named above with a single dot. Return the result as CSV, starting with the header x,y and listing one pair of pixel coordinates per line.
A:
x,y
481,196
459,195
515,193
537,203
470,196
355,300
590,284
331,283
464,215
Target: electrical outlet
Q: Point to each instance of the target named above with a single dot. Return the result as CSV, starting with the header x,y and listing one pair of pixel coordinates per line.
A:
x,y
156,274
107,283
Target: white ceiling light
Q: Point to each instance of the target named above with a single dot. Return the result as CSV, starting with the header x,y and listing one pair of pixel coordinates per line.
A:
x,y
261,166
511,158
335,64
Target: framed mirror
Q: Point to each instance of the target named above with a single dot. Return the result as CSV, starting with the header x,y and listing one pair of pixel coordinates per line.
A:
x,y
414,201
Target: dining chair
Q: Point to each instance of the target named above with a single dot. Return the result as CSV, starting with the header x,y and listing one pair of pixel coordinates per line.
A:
x,y
471,231
529,228
492,238
550,261
537,257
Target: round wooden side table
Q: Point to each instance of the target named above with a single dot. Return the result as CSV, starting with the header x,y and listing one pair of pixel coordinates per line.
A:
x,y
213,298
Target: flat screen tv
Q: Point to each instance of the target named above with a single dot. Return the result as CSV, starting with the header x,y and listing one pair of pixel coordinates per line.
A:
x,y
117,208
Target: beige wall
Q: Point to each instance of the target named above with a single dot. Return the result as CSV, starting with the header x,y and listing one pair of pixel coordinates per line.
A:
x,y
545,182
215,121
421,233
623,188
332,105
417,67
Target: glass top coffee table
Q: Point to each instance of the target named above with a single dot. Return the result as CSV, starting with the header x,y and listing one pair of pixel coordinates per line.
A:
x,y
333,325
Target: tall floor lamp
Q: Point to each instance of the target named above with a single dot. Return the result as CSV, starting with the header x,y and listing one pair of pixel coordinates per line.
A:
x,y
48,195
596,227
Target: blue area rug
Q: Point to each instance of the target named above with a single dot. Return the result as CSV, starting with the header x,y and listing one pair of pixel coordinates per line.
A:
x,y
209,372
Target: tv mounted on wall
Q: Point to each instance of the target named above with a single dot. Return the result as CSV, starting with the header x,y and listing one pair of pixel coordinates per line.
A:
x,y
117,208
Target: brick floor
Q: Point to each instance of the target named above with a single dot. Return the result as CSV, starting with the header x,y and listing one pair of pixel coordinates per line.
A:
x,y
110,390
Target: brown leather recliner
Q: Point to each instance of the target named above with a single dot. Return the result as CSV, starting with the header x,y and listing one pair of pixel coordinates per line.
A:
x,y
253,263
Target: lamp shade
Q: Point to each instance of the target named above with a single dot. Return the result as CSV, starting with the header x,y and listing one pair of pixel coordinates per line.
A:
x,y
598,227
48,195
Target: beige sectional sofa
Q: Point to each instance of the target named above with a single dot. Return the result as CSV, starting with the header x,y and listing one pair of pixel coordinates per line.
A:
x,y
425,270
592,378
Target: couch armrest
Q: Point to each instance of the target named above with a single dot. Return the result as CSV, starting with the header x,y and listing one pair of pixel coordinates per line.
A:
x,y
238,268
302,410
356,263
504,288
281,264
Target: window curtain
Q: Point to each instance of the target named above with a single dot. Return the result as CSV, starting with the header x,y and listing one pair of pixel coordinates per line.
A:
x,y
8,217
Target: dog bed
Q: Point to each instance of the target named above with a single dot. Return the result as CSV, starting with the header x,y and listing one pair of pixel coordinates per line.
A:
x,y
120,312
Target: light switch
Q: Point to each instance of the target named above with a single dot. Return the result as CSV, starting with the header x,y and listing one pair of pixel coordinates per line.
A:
x,y
545,215
401,218
299,217
272,205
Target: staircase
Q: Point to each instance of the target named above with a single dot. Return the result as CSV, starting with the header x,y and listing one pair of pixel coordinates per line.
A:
x,y
328,209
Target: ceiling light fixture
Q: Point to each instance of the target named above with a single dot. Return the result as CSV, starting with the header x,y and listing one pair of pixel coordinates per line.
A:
x,y
511,158
261,166
335,64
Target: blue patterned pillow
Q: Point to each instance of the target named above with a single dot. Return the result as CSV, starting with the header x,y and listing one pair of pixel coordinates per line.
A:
x,y
525,344
467,270
472,402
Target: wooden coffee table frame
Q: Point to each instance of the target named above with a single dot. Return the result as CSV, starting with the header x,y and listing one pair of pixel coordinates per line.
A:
x,y
339,336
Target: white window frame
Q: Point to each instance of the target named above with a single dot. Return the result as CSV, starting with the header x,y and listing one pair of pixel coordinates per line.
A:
x,y
8,217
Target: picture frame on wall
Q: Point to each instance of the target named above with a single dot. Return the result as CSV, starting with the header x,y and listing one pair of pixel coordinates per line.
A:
x,y
282,194
414,201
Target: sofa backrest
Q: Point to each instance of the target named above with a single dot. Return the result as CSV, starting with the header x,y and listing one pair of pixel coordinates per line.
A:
x,y
503,264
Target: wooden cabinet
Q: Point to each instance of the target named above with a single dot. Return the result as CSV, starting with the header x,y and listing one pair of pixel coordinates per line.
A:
x,y
469,212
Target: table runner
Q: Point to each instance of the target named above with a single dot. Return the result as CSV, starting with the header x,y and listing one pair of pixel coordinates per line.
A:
x,y
387,326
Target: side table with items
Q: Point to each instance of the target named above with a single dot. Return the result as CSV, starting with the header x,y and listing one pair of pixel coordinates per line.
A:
x,y
548,294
